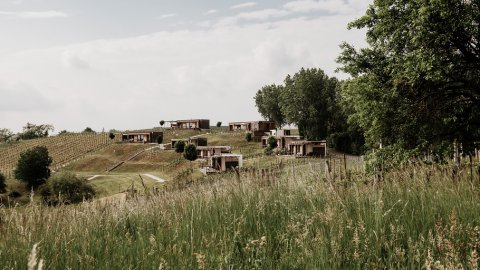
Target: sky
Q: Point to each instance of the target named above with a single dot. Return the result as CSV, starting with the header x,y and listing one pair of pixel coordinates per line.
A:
x,y
122,64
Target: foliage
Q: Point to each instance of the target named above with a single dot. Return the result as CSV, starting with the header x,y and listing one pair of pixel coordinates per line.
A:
x,y
5,135
63,132
310,100
272,142
248,136
190,152
416,84
162,123
33,166
180,146
350,141
3,186
111,136
267,101
388,158
160,139
32,131
67,188
219,124
88,130
268,151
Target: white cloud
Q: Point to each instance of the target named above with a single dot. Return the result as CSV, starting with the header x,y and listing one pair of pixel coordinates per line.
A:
x,y
74,60
170,15
258,15
210,73
33,14
244,5
210,12
330,6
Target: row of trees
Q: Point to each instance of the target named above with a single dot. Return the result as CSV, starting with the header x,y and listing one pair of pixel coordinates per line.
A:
x,y
32,131
414,87
310,100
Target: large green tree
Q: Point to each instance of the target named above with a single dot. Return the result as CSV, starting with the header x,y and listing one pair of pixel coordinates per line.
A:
x,y
309,101
267,101
417,82
33,166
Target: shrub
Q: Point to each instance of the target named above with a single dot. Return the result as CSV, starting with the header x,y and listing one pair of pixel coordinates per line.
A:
x,y
67,188
268,151
88,130
219,124
180,146
248,137
190,152
111,136
3,186
33,166
160,139
162,123
272,142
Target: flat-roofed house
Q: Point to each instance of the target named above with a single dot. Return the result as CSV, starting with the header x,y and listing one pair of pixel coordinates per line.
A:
x,y
197,141
308,148
223,162
263,126
283,137
208,151
141,137
190,124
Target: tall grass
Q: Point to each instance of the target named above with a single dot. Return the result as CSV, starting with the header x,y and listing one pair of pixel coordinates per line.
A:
x,y
423,217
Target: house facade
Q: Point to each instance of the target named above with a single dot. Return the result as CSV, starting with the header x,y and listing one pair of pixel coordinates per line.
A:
x,y
190,124
223,162
208,151
308,148
262,126
141,137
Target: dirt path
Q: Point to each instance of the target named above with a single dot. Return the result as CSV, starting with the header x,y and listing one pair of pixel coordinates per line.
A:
x,y
93,177
157,179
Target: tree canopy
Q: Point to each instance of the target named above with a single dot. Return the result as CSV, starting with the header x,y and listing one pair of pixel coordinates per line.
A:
x,y
190,152
417,82
308,100
267,101
32,131
33,166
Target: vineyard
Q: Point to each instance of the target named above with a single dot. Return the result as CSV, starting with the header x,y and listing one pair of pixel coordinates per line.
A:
x,y
63,149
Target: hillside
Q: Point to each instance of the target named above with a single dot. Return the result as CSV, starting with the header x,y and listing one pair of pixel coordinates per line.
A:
x,y
62,148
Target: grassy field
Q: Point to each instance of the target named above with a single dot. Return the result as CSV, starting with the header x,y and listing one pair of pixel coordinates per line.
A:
x,y
296,217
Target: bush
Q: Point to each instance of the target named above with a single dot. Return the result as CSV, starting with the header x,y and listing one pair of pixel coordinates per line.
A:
x,y
272,142
3,186
349,142
268,151
33,166
111,136
388,158
160,139
248,137
88,130
67,188
180,146
219,124
190,152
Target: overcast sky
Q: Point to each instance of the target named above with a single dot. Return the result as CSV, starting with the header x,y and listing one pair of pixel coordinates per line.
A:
x,y
127,64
